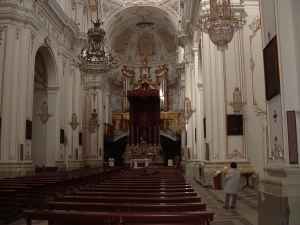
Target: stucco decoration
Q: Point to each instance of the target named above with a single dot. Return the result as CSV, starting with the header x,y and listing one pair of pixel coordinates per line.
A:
x,y
168,40
122,42
139,2
146,45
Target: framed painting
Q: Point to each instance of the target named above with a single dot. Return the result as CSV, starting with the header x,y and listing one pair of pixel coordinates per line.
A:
x,y
204,127
272,82
292,137
234,124
80,138
28,129
62,136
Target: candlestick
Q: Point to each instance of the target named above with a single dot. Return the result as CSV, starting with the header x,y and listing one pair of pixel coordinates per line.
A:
x,y
154,135
150,135
159,135
132,136
137,135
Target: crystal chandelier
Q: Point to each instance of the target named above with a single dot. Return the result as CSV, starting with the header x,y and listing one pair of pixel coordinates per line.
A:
x,y
93,123
95,60
221,23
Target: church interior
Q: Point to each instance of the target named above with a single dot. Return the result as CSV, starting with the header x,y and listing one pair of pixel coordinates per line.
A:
x,y
180,85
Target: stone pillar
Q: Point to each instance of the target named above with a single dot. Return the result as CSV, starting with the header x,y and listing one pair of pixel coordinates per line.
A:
x,y
190,93
53,128
279,195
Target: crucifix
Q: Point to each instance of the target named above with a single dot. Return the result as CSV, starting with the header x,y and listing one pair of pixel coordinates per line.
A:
x,y
275,115
269,36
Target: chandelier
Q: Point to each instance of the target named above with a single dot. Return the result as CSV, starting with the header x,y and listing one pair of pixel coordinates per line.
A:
x,y
221,23
93,123
179,125
95,60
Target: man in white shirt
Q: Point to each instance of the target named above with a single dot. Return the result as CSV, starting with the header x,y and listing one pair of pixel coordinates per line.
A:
x,y
231,187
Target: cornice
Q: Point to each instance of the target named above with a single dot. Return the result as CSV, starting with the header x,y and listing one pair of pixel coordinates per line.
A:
x,y
13,13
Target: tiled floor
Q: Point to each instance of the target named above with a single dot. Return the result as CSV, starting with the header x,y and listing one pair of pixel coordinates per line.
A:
x,y
244,214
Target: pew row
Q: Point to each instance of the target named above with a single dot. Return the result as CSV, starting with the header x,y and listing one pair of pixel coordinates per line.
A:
x,y
127,207
93,218
181,199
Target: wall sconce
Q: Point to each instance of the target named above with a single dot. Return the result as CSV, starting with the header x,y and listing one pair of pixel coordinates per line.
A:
x,y
44,112
187,109
237,103
93,123
74,124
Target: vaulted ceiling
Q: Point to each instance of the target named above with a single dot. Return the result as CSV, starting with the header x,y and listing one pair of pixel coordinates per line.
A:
x,y
138,29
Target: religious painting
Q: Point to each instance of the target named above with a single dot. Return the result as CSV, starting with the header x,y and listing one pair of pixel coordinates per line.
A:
x,y
292,137
272,82
204,126
80,138
62,136
234,124
28,129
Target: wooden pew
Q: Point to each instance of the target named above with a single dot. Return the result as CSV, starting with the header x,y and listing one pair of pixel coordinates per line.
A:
x,y
8,208
182,199
170,218
85,206
70,217
143,186
135,194
93,218
127,207
120,189
162,207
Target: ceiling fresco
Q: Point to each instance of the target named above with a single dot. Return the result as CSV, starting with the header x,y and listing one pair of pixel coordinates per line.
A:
x,y
138,29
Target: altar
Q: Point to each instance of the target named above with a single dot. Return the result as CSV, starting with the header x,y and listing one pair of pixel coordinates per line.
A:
x,y
143,140
145,162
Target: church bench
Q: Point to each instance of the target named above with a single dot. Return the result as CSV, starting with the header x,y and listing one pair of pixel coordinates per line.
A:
x,y
182,199
163,207
8,208
120,189
85,206
70,217
127,207
142,186
135,194
93,218
142,183
151,183
169,218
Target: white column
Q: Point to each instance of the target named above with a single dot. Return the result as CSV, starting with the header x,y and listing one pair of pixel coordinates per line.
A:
x,y
101,116
53,148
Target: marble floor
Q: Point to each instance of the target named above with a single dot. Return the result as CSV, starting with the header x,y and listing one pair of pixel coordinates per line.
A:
x,y
244,214
246,206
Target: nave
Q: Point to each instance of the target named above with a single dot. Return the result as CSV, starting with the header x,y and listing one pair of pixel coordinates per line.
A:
x,y
245,214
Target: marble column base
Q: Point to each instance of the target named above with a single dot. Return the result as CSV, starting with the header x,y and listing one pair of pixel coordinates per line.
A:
x,y
16,169
279,196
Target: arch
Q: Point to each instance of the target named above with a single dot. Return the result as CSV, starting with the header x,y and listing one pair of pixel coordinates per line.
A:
x,y
44,135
